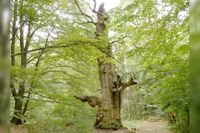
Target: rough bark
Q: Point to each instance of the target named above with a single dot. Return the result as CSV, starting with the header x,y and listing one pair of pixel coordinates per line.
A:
x,y
108,113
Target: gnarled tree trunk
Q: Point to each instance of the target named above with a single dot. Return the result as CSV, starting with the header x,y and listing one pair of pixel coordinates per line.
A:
x,y
109,104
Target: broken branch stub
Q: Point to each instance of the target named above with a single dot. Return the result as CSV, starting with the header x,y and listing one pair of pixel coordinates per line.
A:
x,y
127,84
91,100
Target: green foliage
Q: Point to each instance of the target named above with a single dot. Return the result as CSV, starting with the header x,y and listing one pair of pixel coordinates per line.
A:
x,y
150,44
74,117
158,46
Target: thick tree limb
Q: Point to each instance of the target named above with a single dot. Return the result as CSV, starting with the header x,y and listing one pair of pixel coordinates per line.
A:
x,y
39,49
92,100
59,46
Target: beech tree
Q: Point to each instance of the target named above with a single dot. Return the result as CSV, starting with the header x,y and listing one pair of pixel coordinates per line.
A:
x,y
25,24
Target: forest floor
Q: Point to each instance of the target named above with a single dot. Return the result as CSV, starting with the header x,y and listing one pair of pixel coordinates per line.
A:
x,y
141,126
148,126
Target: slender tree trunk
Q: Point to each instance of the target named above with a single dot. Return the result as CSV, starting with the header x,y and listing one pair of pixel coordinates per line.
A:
x,y
13,40
19,97
29,35
16,118
14,32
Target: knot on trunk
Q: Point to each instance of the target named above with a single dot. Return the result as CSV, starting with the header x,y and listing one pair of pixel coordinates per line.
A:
x,y
92,100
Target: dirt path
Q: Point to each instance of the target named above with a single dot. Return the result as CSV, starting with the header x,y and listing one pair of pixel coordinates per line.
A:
x,y
148,126
142,127
153,127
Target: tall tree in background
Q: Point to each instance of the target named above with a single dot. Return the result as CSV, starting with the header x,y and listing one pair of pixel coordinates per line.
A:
x,y
24,24
112,87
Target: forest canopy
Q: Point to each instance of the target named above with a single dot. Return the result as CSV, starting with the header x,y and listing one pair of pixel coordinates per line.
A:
x,y
130,62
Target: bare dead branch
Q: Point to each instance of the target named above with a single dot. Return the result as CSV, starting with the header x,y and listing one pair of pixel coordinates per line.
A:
x,y
101,10
84,14
95,5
